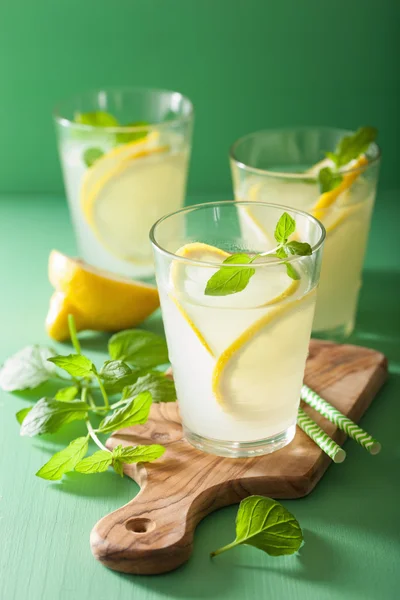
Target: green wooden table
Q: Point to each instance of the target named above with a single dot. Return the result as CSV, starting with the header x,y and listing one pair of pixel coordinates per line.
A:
x,y
350,521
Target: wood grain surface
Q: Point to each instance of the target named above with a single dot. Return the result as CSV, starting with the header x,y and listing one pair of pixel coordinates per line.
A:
x,y
154,532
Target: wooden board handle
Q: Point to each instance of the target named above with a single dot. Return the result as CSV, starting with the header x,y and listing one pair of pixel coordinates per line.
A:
x,y
141,534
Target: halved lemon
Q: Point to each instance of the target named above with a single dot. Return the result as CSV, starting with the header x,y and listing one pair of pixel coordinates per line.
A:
x,y
98,299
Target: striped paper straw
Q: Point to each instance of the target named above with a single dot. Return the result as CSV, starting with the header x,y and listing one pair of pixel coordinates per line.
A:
x,y
344,423
318,435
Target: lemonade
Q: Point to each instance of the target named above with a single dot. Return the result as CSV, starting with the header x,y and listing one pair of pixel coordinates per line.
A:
x,y
238,359
120,179
345,210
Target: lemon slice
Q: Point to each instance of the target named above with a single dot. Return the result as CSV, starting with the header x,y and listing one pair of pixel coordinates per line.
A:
x,y
112,159
281,332
98,300
124,195
327,199
210,317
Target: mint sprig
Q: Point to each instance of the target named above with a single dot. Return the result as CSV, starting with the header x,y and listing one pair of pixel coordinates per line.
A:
x,y
97,118
115,396
348,148
231,280
328,179
352,146
267,525
101,119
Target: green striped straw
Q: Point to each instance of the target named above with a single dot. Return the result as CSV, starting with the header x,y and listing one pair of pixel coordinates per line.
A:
x,y
318,435
344,423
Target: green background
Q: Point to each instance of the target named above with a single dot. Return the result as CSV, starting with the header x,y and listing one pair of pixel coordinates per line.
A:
x,y
245,64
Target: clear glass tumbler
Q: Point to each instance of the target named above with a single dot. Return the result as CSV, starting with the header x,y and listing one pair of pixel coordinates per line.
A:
x,y
238,359
280,166
124,156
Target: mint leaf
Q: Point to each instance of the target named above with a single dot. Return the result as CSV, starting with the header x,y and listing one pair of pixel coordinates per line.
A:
x,y
267,525
135,454
48,415
97,118
76,365
161,388
284,228
113,370
118,466
21,414
65,460
328,180
143,349
299,248
230,280
91,155
135,412
96,463
291,271
332,156
116,375
281,252
132,136
116,386
67,394
352,146
27,369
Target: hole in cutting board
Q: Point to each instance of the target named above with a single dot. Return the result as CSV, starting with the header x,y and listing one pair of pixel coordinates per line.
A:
x,y
140,525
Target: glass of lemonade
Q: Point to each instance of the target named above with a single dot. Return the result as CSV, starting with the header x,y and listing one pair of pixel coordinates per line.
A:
x,y
283,167
238,351
124,156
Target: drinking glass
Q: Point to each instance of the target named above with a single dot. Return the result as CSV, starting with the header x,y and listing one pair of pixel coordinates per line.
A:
x,y
281,166
124,156
238,360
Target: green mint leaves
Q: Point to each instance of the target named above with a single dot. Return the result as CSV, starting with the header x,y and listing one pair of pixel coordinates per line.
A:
x,y
328,180
91,155
87,394
284,228
160,387
102,459
230,280
139,348
101,119
134,412
67,394
74,364
48,415
130,454
349,148
65,460
97,118
96,463
131,136
267,525
27,369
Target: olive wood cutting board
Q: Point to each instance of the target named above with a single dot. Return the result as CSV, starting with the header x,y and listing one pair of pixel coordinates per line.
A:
x,y
154,532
